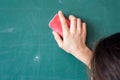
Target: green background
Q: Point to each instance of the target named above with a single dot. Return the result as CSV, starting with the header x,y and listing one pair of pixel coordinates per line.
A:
x,y
28,50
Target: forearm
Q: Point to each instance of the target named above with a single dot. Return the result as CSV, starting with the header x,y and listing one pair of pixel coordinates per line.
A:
x,y
84,56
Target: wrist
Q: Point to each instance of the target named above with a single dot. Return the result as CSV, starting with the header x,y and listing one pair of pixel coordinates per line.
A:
x,y
83,55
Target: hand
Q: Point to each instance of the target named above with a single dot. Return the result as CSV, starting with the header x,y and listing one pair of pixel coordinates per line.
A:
x,y
74,38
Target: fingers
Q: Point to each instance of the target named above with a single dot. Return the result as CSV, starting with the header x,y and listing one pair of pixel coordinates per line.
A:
x,y
63,23
84,32
58,39
76,25
73,23
79,24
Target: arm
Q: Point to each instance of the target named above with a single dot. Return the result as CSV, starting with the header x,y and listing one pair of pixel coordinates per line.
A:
x,y
74,38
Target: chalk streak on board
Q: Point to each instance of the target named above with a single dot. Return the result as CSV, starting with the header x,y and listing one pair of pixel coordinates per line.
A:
x,y
7,30
37,58
60,1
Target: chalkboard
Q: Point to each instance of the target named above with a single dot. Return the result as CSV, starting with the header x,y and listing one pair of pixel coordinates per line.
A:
x,y
28,50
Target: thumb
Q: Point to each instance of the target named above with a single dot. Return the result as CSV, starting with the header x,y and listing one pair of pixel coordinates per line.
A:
x,y
58,39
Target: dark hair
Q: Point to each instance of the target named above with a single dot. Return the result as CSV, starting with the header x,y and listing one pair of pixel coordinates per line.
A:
x,y
105,63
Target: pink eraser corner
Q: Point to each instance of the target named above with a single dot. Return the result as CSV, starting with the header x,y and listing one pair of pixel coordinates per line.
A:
x,y
56,26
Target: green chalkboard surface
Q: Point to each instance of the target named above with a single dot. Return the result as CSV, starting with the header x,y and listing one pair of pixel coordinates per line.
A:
x,y
28,50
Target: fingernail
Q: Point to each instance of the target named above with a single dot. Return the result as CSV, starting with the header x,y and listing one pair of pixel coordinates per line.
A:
x,y
60,12
71,16
53,32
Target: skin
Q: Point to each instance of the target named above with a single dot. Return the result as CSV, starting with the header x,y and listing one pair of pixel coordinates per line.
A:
x,y
74,38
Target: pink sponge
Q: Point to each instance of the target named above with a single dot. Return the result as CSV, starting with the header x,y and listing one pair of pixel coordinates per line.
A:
x,y
55,25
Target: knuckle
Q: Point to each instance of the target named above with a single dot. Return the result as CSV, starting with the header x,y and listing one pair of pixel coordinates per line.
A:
x,y
66,35
79,33
73,33
63,23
